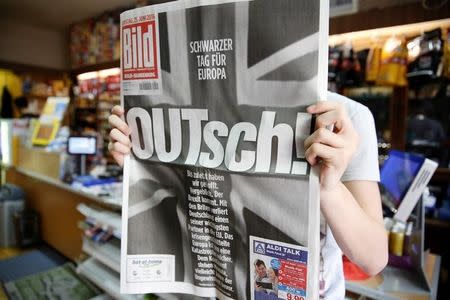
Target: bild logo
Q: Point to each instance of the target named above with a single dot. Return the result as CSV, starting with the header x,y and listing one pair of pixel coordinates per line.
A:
x,y
260,247
139,49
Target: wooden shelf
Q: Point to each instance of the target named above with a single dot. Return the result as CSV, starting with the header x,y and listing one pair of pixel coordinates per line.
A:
x,y
40,97
96,67
86,108
369,91
441,175
25,68
365,39
387,17
437,223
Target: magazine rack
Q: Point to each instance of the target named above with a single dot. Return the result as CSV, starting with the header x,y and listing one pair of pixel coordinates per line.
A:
x,y
416,246
408,271
394,282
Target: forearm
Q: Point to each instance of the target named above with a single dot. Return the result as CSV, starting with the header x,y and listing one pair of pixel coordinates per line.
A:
x,y
362,238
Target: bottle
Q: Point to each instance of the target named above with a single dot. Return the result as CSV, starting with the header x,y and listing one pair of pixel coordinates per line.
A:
x,y
396,239
407,239
388,222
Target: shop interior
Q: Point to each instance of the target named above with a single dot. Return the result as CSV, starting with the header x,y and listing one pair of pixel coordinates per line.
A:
x,y
61,190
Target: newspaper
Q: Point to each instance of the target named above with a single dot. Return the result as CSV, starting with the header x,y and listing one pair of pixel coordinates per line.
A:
x,y
219,200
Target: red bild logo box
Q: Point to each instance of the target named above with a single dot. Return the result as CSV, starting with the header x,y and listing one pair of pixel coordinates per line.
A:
x,y
139,49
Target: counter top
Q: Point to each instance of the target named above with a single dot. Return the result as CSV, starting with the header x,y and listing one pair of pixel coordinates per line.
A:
x,y
56,202
395,284
113,202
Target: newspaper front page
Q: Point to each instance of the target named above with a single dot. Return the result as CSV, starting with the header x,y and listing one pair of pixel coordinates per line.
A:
x,y
219,200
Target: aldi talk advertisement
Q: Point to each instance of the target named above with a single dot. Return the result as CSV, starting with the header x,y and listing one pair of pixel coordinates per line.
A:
x,y
219,200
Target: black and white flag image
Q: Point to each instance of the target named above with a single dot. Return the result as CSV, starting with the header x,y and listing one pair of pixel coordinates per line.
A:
x,y
219,200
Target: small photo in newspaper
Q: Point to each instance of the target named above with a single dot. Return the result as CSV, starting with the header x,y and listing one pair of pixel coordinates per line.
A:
x,y
277,270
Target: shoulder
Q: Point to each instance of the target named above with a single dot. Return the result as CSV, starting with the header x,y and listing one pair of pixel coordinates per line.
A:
x,y
364,164
355,110
352,107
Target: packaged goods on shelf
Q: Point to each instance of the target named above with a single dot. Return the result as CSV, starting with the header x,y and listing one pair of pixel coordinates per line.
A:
x,y
427,52
373,64
344,68
106,219
99,91
94,41
394,58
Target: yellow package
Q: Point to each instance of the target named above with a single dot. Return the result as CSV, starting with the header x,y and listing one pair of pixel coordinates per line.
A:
x,y
394,60
57,86
373,64
12,82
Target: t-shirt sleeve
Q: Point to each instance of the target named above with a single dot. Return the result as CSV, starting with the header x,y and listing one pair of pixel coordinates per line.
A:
x,y
364,164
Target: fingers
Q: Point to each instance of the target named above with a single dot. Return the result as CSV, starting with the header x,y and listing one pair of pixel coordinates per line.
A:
x,y
319,151
117,110
326,137
331,118
329,114
117,135
323,106
118,147
118,157
117,122
120,143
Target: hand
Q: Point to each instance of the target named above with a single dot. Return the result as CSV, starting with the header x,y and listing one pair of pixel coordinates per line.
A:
x,y
332,149
258,287
120,143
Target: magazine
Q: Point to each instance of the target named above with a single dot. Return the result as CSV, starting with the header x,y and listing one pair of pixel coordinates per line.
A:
x,y
219,200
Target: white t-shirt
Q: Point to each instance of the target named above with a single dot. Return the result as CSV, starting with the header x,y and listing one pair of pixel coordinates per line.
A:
x,y
363,166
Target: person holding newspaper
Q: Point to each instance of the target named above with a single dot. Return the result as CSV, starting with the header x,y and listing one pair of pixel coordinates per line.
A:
x,y
344,146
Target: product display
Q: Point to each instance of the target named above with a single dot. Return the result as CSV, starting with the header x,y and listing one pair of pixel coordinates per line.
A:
x,y
394,59
405,176
344,67
428,63
95,95
227,211
95,41
50,120
373,64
